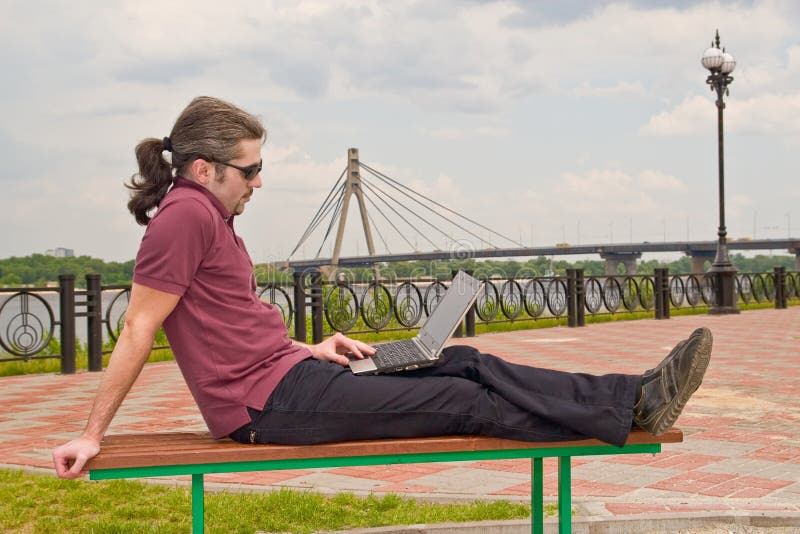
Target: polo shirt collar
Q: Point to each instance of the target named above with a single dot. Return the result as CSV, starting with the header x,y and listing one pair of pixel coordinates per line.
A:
x,y
180,181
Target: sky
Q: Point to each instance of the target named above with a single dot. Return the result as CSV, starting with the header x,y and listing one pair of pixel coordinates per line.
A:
x,y
549,122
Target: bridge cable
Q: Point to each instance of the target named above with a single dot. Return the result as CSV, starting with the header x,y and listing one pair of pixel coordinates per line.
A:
x,y
386,203
417,215
313,227
378,230
479,238
378,173
336,213
387,220
319,215
370,187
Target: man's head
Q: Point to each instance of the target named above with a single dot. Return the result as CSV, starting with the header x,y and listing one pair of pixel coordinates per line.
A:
x,y
213,143
231,181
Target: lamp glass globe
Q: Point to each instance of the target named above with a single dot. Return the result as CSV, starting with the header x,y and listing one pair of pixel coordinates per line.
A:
x,y
712,58
728,63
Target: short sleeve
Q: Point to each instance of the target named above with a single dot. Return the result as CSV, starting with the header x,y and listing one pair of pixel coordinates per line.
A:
x,y
176,240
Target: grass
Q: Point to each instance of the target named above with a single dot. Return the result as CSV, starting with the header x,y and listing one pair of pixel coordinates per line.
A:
x,y
53,365
45,504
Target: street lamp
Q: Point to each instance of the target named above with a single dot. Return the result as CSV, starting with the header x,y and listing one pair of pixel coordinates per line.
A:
x,y
721,64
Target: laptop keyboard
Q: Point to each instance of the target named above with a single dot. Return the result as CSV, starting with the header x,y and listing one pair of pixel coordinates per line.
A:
x,y
397,353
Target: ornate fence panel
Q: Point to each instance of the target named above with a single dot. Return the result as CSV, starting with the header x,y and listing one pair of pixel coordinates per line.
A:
x,y
408,304
278,296
28,325
28,318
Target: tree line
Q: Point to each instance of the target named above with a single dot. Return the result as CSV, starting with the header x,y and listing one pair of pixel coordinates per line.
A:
x,y
541,266
38,270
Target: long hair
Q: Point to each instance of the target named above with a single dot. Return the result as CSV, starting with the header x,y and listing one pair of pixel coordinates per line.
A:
x,y
209,128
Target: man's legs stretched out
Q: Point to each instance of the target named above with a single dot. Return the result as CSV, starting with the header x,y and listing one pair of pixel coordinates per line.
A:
x,y
320,402
473,393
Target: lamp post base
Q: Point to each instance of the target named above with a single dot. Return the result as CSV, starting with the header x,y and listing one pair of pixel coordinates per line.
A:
x,y
725,297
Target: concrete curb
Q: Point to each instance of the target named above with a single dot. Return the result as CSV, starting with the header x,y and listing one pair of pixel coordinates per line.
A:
x,y
600,525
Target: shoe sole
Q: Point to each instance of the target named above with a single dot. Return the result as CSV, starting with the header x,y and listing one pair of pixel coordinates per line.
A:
x,y
702,356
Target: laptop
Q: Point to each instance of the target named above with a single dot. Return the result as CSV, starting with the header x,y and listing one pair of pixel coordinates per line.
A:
x,y
424,349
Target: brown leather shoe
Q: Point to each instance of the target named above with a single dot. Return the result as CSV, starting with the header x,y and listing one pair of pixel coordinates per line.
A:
x,y
667,387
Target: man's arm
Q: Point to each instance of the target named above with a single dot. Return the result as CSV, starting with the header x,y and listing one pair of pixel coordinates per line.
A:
x,y
146,311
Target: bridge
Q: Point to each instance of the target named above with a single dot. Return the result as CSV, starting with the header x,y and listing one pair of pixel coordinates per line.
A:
x,y
408,214
627,254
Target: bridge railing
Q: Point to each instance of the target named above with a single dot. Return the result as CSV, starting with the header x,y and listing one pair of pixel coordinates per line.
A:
x,y
313,308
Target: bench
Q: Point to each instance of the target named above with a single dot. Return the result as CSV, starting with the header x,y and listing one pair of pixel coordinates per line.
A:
x,y
196,454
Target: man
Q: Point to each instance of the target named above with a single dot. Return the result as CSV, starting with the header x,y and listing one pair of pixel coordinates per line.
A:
x,y
256,385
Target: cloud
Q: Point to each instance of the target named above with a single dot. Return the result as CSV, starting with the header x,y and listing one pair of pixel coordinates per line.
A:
x,y
472,58
769,114
619,90
660,181
457,133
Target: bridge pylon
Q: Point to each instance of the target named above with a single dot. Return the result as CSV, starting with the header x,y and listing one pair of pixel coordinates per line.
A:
x,y
352,187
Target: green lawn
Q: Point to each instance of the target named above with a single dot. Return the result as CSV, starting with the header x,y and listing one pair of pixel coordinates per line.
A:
x,y
46,504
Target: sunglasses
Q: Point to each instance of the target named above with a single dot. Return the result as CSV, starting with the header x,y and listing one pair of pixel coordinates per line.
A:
x,y
249,172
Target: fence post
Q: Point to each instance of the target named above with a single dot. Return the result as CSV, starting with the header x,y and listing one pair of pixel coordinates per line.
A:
x,y
94,320
572,315
66,301
459,331
469,319
780,288
299,308
580,298
658,278
316,307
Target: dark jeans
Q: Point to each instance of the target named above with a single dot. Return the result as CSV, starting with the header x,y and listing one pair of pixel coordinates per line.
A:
x,y
465,393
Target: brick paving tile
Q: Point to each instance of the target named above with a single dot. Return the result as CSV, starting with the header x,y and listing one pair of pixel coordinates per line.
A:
x,y
581,488
519,489
513,466
263,478
390,473
692,482
745,487
667,459
777,452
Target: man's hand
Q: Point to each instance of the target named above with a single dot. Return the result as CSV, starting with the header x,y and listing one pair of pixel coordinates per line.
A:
x,y
146,312
336,348
70,458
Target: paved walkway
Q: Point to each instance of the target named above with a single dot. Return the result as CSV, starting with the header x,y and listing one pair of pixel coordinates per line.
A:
x,y
742,428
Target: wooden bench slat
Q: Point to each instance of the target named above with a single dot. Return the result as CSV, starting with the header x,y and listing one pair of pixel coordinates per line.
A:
x,y
140,450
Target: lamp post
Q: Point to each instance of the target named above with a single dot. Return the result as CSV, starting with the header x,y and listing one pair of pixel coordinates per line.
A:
x,y
721,64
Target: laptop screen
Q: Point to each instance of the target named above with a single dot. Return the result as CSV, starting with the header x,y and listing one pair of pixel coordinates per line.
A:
x,y
449,311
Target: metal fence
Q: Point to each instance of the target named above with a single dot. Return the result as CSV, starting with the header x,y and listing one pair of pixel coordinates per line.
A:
x,y
28,322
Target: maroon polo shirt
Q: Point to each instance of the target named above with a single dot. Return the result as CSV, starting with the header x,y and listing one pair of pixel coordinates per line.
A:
x,y
231,347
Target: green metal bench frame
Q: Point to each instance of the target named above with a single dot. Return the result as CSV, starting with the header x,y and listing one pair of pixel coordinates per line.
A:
x,y
536,452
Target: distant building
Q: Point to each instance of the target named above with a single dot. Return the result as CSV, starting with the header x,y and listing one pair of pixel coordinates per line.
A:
x,y
61,252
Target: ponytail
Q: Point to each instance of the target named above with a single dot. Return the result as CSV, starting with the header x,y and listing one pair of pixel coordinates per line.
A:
x,y
152,181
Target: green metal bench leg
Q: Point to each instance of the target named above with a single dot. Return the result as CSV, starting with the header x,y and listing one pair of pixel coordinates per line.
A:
x,y
537,496
564,495
198,504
